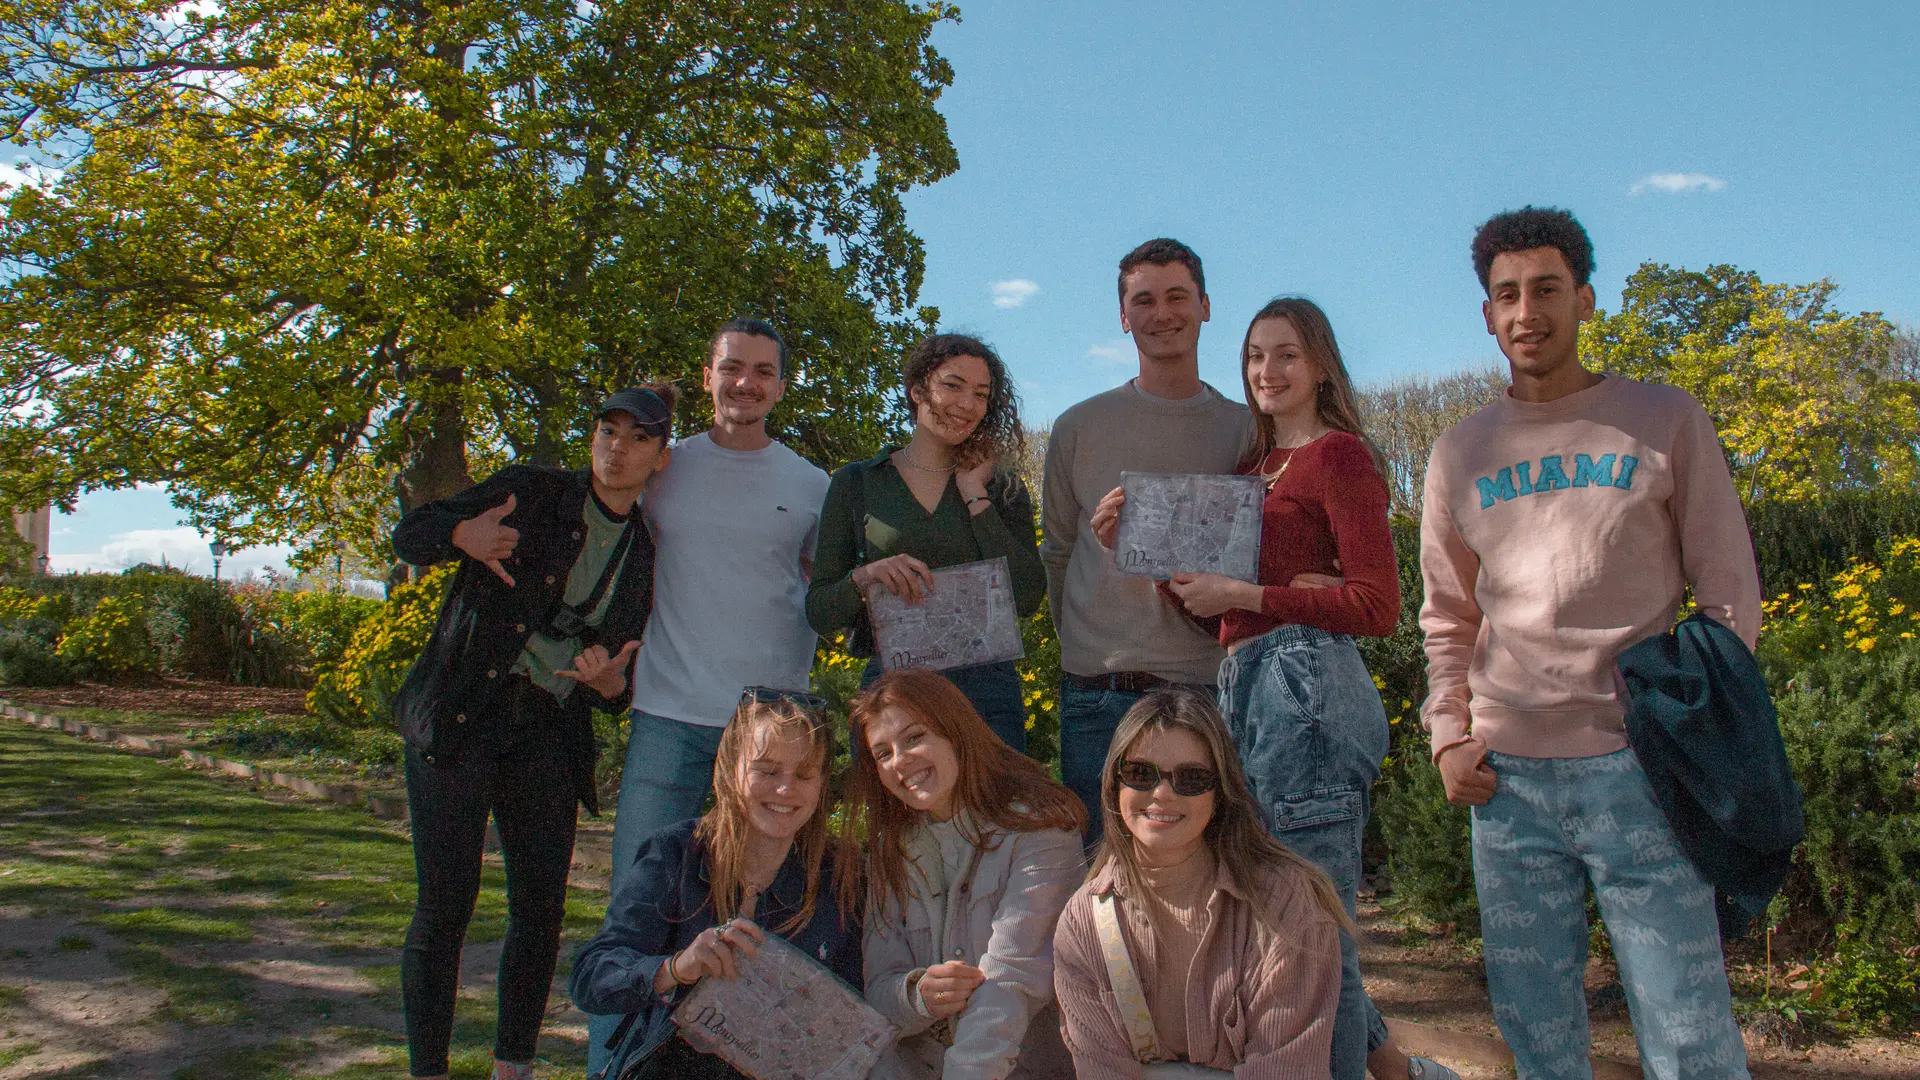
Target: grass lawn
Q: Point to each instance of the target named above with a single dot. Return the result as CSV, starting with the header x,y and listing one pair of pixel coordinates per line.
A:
x,y
157,922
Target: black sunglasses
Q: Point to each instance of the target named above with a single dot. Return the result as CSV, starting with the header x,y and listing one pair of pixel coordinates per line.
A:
x,y
1187,780
767,695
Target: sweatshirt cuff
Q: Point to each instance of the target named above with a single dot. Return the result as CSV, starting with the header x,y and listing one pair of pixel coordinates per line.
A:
x,y
1446,729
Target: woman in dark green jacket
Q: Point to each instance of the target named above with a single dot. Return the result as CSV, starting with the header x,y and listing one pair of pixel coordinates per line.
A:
x,y
948,496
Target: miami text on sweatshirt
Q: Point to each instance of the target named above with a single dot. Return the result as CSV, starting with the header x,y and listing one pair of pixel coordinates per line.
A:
x,y
1554,536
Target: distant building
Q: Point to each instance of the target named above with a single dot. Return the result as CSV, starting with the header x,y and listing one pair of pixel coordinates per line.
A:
x,y
37,527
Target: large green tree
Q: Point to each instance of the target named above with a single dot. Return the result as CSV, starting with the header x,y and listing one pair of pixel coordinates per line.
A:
x,y
1808,399
305,255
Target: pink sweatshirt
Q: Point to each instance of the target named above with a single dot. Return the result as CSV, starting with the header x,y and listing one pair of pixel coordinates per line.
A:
x,y
1553,537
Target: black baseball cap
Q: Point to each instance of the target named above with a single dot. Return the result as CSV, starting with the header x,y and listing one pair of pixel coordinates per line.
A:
x,y
647,408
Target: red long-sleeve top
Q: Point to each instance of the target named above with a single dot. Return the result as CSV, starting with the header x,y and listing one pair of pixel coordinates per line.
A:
x,y
1330,504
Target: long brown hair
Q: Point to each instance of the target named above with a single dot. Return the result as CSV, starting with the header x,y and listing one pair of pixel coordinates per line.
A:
x,y
724,830
1236,834
997,785
1334,401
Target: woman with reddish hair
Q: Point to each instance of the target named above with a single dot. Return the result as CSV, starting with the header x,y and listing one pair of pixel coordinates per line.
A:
x,y
971,852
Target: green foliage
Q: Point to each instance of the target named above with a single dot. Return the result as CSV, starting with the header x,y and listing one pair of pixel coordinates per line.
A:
x,y
357,690
262,735
302,253
1040,685
111,639
1807,540
1807,400
29,659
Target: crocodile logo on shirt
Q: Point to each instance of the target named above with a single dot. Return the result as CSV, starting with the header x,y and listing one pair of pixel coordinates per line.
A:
x,y
1588,471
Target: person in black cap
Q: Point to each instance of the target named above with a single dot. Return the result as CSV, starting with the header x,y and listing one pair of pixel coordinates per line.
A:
x,y
540,626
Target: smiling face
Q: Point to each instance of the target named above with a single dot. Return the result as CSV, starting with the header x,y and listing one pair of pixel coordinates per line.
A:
x,y
1534,310
1162,307
780,782
625,457
951,403
1166,827
1283,379
916,766
743,375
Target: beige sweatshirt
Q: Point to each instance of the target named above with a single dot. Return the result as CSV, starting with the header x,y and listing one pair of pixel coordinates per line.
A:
x,y
1109,621
1553,537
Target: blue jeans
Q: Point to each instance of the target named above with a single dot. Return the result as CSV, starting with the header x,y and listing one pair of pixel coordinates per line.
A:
x,y
668,774
994,690
1553,825
1088,719
1308,723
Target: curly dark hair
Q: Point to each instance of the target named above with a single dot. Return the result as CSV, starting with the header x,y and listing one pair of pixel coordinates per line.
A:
x,y
1533,227
1162,252
999,435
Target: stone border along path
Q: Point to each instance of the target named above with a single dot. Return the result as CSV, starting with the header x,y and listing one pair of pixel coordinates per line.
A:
x,y
589,852
1426,1040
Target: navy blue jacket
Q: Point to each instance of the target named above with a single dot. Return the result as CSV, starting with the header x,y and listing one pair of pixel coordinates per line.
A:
x,y
1702,722
664,902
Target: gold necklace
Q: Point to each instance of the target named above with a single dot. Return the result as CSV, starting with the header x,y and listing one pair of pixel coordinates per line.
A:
x,y
908,458
1273,477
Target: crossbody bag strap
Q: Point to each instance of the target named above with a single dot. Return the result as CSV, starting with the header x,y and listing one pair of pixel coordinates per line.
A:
x,y
1126,982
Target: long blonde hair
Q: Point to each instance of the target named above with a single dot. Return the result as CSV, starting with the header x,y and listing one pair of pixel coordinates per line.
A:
x,y
724,830
997,785
1334,401
1235,834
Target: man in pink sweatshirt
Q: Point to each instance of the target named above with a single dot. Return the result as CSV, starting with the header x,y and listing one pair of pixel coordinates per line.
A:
x,y
1562,524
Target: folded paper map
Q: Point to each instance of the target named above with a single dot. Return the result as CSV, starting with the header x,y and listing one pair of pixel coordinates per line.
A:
x,y
968,618
1177,523
784,1017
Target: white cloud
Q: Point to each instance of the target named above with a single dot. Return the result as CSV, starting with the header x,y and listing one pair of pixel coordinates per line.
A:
x,y
1117,351
177,15
12,176
180,547
1675,183
1013,292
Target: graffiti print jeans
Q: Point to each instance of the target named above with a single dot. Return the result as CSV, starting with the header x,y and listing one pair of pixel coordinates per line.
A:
x,y
1553,825
1311,731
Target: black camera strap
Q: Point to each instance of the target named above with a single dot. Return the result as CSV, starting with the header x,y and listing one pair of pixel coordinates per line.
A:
x,y
588,606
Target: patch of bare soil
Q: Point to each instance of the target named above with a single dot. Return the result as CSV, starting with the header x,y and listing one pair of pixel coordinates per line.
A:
x,y
1439,982
163,696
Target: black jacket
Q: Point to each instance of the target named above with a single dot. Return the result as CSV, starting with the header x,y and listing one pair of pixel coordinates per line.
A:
x,y
484,624
1702,722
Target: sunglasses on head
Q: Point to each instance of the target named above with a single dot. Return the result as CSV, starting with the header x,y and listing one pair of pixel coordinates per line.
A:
x,y
767,695
1187,780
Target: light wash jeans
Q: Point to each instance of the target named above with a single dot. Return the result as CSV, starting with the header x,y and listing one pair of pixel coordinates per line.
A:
x,y
667,778
1311,733
1553,825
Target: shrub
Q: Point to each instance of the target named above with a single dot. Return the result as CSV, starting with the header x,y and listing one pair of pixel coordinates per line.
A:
x,y
28,659
358,689
111,639
264,735
1870,986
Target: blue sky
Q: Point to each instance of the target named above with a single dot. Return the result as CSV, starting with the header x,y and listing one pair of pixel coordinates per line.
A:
x,y
1346,151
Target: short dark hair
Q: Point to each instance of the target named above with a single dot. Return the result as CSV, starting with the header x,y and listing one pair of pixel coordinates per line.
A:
x,y
1533,227
1162,252
752,327
999,434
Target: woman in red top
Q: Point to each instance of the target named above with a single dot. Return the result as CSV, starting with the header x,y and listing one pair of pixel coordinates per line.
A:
x,y
1296,697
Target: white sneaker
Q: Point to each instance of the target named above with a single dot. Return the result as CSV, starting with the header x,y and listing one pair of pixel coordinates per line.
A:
x,y
1419,1068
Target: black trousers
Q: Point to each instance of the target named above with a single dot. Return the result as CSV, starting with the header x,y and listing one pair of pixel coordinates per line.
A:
x,y
517,770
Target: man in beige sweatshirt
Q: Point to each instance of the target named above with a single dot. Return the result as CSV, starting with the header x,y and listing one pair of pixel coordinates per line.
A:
x,y
1563,524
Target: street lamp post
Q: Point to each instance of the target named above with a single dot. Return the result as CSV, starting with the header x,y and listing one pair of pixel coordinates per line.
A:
x,y
44,560
219,549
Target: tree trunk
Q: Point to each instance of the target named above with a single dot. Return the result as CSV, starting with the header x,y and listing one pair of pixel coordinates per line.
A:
x,y
435,456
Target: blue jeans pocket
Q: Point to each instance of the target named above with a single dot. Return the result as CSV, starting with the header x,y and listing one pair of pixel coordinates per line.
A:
x,y
1324,827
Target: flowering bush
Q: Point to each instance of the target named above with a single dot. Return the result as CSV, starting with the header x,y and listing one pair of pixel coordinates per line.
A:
x,y
357,690
110,638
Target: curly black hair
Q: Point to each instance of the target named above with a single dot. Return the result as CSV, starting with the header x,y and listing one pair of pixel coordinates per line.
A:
x,y
1533,227
1162,252
999,434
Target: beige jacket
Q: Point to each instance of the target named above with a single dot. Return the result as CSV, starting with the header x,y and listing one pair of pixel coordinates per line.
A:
x,y
1260,1003
1004,907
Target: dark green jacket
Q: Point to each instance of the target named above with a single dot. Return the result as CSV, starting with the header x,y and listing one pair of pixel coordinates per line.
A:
x,y
1702,722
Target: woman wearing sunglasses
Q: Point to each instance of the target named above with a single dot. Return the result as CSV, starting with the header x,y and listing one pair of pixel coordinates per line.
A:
x,y
1294,691
706,893
971,850
1199,945
946,497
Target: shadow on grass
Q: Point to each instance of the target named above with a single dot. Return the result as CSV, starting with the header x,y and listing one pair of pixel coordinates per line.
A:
x,y
250,937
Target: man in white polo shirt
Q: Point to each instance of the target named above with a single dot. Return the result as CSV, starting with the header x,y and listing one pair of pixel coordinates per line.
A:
x,y
734,532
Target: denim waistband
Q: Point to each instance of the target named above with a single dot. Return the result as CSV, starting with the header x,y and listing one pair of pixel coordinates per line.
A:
x,y
1290,636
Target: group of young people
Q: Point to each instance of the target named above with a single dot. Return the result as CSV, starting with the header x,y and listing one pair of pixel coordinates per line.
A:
x,y
1219,738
